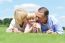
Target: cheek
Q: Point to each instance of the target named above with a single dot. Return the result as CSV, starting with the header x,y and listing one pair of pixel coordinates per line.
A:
x,y
30,21
44,20
36,18
41,20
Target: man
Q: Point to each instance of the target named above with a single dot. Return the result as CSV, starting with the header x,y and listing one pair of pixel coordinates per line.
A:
x,y
48,23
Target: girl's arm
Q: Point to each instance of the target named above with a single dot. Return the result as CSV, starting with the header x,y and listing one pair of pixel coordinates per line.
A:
x,y
28,29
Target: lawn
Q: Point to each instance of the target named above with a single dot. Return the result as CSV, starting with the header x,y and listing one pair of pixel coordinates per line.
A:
x,y
29,37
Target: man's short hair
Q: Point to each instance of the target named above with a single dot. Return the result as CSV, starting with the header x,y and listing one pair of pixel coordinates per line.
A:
x,y
45,10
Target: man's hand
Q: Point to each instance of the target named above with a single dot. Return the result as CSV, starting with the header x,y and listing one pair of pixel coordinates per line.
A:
x,y
50,32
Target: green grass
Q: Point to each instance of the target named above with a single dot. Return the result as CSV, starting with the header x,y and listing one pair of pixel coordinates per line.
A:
x,y
29,37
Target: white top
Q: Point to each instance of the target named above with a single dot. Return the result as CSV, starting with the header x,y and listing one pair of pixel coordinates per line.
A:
x,y
13,24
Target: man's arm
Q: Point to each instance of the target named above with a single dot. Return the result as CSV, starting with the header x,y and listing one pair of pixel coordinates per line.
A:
x,y
58,28
55,25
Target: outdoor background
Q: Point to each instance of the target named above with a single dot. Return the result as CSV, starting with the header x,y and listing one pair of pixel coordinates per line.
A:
x,y
7,7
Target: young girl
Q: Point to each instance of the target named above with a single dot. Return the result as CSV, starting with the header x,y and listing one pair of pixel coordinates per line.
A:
x,y
17,24
32,25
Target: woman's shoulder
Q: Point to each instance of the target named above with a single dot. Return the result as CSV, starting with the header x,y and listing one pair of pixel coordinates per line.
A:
x,y
13,21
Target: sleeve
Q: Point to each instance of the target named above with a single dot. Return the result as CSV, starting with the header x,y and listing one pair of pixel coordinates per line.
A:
x,y
56,25
59,29
12,24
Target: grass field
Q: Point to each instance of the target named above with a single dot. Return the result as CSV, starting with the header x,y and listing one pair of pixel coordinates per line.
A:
x,y
29,37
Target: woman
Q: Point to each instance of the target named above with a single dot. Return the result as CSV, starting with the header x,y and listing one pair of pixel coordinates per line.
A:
x,y
18,22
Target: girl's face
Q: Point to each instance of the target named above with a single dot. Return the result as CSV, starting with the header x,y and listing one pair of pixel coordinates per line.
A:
x,y
31,20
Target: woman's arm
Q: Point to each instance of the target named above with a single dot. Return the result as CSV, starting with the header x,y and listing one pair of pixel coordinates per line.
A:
x,y
9,29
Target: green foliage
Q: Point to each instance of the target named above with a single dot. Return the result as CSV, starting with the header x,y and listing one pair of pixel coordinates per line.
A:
x,y
63,28
5,21
0,22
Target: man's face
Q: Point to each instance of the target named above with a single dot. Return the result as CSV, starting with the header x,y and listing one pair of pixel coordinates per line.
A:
x,y
41,17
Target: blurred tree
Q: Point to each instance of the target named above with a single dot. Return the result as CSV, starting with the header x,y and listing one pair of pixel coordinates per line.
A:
x,y
63,28
0,22
7,21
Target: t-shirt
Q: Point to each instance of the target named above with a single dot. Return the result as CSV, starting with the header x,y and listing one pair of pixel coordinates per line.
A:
x,y
12,25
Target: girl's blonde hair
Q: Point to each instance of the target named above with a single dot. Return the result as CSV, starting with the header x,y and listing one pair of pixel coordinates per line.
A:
x,y
31,15
19,15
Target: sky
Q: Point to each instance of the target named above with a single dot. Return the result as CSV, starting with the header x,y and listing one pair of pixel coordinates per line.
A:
x,y
55,7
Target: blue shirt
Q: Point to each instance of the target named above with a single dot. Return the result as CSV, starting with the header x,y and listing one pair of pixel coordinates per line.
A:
x,y
52,24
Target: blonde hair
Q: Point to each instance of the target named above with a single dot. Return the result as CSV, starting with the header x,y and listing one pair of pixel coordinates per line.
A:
x,y
31,15
19,15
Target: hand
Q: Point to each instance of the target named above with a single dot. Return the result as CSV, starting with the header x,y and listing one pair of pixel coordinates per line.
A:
x,y
50,32
15,30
